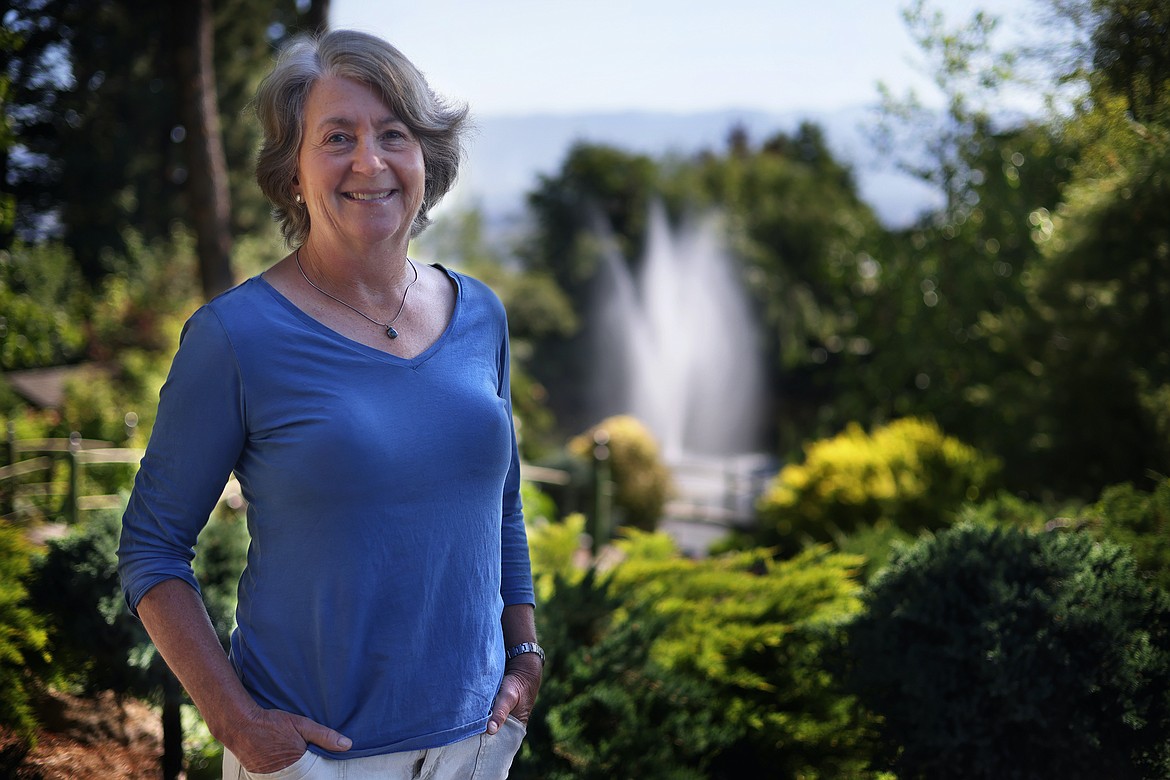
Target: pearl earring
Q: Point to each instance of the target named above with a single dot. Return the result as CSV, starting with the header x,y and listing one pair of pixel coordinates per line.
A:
x,y
299,199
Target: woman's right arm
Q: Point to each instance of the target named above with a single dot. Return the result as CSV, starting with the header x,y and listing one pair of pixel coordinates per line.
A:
x,y
198,435
262,740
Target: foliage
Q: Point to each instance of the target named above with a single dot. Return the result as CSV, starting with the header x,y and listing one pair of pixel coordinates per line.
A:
x,y
220,555
642,481
22,634
1009,510
151,290
999,653
1101,326
599,198
1131,56
1140,521
96,643
79,70
907,474
596,186
967,73
872,543
803,232
671,668
97,404
944,307
42,297
553,548
52,317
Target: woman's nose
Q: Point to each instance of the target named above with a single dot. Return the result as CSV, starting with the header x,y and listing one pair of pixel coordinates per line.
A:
x,y
367,158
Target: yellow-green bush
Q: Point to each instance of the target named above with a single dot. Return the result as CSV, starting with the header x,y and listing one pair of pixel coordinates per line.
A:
x,y
641,480
553,547
22,633
907,474
664,668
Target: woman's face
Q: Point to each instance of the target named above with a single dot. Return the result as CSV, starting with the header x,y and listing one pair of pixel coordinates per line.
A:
x,y
360,169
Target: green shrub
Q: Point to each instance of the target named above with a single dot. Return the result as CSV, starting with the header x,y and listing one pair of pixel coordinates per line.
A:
x,y
1140,521
1008,510
999,653
641,480
22,634
907,474
50,316
664,667
43,307
553,547
150,292
96,643
220,556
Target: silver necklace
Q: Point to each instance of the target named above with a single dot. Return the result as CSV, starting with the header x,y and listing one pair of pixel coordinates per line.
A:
x,y
389,326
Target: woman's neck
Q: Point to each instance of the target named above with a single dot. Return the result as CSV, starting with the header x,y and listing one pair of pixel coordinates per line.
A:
x,y
374,275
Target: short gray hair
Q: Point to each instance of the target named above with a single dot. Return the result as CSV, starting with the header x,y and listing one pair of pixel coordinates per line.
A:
x,y
280,106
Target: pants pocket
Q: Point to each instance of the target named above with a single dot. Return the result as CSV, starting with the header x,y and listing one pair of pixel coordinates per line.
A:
x,y
301,769
497,751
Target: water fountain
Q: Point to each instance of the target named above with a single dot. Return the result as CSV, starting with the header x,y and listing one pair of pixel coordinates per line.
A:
x,y
678,347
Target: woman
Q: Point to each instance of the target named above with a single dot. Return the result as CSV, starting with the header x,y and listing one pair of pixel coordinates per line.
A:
x,y
385,618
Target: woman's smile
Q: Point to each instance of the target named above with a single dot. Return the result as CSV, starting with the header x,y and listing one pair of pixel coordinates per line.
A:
x,y
369,196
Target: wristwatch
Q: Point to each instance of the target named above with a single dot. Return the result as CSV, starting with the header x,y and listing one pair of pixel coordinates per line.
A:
x,y
525,647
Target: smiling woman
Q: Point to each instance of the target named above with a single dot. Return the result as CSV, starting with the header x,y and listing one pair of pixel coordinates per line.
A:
x,y
385,617
437,126
360,169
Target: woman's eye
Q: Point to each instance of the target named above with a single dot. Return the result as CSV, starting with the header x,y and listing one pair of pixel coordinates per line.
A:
x,y
335,138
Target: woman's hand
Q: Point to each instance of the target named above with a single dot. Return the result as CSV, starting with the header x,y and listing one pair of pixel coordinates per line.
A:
x,y
517,692
262,740
272,740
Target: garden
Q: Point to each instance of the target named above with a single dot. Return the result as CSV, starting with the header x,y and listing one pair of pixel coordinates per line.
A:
x,y
960,566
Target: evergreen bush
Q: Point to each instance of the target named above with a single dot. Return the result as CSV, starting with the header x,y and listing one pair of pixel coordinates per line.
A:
x,y
1000,653
96,643
907,474
1140,521
641,480
662,667
22,634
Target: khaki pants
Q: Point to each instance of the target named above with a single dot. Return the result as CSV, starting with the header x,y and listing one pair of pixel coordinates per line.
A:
x,y
480,757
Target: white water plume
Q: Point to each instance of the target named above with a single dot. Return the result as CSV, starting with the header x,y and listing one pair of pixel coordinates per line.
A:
x,y
678,346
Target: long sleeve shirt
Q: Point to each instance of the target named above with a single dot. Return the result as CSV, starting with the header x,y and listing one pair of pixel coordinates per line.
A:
x,y
383,507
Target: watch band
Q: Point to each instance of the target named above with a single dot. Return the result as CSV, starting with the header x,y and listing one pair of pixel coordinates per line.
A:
x,y
525,647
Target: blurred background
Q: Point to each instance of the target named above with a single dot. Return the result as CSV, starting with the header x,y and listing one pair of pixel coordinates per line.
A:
x,y
840,367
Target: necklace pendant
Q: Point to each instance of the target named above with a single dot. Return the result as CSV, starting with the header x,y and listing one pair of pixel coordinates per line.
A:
x,y
390,332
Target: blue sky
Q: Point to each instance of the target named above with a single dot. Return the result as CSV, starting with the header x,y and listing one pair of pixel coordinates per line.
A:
x,y
510,57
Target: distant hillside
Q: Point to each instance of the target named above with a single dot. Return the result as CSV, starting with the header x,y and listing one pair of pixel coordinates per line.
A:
x,y
507,154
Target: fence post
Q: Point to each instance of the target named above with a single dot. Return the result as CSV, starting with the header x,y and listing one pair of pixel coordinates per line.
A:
x,y
8,487
130,425
71,509
11,448
603,491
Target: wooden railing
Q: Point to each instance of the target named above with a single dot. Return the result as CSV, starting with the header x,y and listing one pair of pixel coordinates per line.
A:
x,y
30,485
19,490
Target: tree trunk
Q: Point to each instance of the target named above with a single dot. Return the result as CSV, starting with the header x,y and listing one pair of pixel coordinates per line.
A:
x,y
207,178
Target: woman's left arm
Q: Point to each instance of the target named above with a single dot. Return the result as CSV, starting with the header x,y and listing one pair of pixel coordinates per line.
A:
x,y
521,674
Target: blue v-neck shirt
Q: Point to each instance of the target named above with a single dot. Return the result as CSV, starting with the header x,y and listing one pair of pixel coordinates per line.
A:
x,y
383,506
